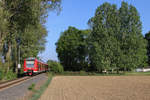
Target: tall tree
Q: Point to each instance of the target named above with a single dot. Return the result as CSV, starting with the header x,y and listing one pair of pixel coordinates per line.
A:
x,y
4,15
116,41
33,41
72,49
103,43
147,37
25,22
133,45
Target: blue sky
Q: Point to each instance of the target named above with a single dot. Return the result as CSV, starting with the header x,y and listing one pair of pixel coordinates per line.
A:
x,y
77,13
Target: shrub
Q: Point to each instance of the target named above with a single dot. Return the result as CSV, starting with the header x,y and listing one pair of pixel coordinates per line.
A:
x,y
83,72
1,74
10,75
5,74
91,73
56,67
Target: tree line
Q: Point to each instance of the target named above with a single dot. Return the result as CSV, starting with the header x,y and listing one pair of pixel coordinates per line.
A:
x,y
113,41
22,29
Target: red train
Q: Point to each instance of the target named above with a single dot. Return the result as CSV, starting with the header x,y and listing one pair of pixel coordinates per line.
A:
x,y
34,66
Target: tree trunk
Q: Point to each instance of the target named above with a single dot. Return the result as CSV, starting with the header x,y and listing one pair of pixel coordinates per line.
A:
x,y
117,71
1,42
8,56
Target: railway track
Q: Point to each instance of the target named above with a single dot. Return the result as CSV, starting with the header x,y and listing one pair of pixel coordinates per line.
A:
x,y
18,90
6,84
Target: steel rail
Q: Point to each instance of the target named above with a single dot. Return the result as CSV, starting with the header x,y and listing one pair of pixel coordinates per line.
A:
x,y
12,82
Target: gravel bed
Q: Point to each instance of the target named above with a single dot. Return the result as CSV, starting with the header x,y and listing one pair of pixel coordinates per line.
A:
x,y
20,90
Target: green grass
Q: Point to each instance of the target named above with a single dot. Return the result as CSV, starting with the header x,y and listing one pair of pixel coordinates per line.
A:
x,y
39,92
137,73
32,87
82,73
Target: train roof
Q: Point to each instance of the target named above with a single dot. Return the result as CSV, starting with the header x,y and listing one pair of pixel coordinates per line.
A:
x,y
33,58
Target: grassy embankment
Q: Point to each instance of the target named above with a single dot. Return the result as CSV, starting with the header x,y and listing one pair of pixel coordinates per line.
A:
x,y
39,92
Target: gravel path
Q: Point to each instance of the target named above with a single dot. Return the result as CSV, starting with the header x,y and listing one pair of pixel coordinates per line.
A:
x,y
20,90
98,88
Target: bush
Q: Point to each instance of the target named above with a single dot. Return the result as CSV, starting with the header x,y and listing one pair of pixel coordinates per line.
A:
x,y
10,75
56,67
83,72
1,74
1,71
5,74
91,73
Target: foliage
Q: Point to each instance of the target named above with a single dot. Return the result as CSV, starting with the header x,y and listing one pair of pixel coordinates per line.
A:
x,y
4,15
1,74
10,75
116,41
113,42
6,74
72,49
22,28
133,44
55,67
147,37
83,72
103,46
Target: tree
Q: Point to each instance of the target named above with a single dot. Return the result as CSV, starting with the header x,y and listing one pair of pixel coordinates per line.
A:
x,y
133,44
116,41
147,37
33,41
103,39
4,15
72,49
55,66
26,27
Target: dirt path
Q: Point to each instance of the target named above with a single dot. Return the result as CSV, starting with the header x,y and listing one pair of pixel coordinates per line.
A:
x,y
98,88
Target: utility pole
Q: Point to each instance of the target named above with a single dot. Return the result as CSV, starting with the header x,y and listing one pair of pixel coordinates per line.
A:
x,y
19,65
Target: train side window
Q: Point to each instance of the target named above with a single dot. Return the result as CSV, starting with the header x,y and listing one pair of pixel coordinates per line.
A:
x,y
39,65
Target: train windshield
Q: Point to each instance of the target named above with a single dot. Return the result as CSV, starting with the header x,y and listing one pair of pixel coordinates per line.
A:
x,y
30,64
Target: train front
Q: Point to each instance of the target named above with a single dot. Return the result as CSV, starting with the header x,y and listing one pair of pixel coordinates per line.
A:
x,y
29,66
